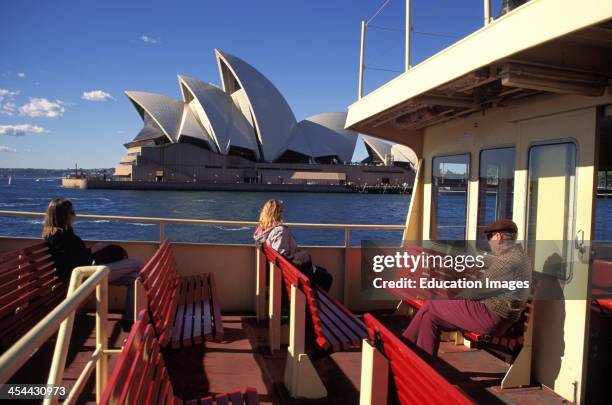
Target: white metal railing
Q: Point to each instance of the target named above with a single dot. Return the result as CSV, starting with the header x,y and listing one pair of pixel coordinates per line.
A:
x,y
62,318
163,221
407,33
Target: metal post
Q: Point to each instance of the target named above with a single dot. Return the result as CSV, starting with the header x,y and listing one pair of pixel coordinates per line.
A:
x,y
260,284
58,362
487,12
102,336
361,57
347,237
347,244
162,232
408,28
274,308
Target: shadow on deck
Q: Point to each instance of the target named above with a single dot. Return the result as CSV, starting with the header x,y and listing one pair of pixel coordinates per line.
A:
x,y
243,359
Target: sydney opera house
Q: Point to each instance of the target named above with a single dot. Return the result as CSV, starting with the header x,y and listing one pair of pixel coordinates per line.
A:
x,y
246,132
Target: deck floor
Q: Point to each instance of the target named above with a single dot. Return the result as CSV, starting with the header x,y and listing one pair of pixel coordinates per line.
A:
x,y
243,359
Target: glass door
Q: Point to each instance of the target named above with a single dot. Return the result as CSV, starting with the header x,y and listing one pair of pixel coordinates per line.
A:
x,y
552,170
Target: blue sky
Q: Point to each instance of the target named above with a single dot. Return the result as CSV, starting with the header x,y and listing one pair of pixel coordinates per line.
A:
x,y
61,59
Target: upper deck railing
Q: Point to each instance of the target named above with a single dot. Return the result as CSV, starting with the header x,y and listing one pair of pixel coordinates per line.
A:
x,y
377,22
162,222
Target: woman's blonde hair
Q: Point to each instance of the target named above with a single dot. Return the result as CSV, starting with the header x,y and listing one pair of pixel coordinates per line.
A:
x,y
57,216
272,214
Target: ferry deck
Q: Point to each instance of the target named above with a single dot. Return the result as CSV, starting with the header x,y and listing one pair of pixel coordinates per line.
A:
x,y
526,100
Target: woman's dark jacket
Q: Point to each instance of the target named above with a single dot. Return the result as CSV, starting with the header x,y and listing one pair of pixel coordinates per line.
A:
x,y
68,251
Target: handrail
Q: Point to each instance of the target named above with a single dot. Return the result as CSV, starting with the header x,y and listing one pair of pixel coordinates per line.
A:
x,y
206,221
62,344
21,351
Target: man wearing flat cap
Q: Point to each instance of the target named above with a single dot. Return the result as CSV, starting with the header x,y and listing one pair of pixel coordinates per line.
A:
x,y
485,311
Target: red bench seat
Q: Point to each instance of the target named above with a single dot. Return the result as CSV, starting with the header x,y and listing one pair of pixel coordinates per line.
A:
x,y
514,337
336,328
414,380
29,290
185,310
140,375
602,285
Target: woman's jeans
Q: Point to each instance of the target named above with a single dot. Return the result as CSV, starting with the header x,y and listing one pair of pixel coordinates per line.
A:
x,y
125,272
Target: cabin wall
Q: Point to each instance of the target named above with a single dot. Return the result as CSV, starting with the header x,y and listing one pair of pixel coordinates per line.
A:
x,y
560,326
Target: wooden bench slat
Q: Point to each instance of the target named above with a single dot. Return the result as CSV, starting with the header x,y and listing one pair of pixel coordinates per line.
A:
x,y
134,373
170,309
180,312
12,329
158,288
416,381
189,311
150,351
341,341
147,268
31,286
21,278
115,384
33,292
197,310
184,310
21,269
351,327
207,310
24,258
154,394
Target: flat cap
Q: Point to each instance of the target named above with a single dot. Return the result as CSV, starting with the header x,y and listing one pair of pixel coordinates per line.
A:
x,y
501,225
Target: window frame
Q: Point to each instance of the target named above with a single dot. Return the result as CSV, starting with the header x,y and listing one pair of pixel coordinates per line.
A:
x,y
516,154
433,206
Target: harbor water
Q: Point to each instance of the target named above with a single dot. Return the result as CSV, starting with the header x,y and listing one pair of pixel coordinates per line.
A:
x,y
29,194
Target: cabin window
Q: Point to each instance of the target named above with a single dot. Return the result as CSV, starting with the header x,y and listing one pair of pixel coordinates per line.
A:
x,y
495,186
449,183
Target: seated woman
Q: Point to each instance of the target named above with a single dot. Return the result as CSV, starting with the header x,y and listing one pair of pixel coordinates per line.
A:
x,y
489,312
272,231
69,251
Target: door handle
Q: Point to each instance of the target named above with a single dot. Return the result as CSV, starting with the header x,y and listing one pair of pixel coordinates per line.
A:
x,y
579,241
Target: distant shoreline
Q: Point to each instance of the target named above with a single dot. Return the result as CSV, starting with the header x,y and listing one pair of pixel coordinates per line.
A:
x,y
201,186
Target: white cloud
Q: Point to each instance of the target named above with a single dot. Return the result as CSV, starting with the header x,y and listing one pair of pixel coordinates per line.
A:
x,y
7,149
5,93
20,130
149,40
41,107
96,95
8,108
21,75
120,131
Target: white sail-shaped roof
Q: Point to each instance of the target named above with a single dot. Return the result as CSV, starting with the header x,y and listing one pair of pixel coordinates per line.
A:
x,y
272,117
402,153
219,116
166,111
381,148
323,135
191,127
